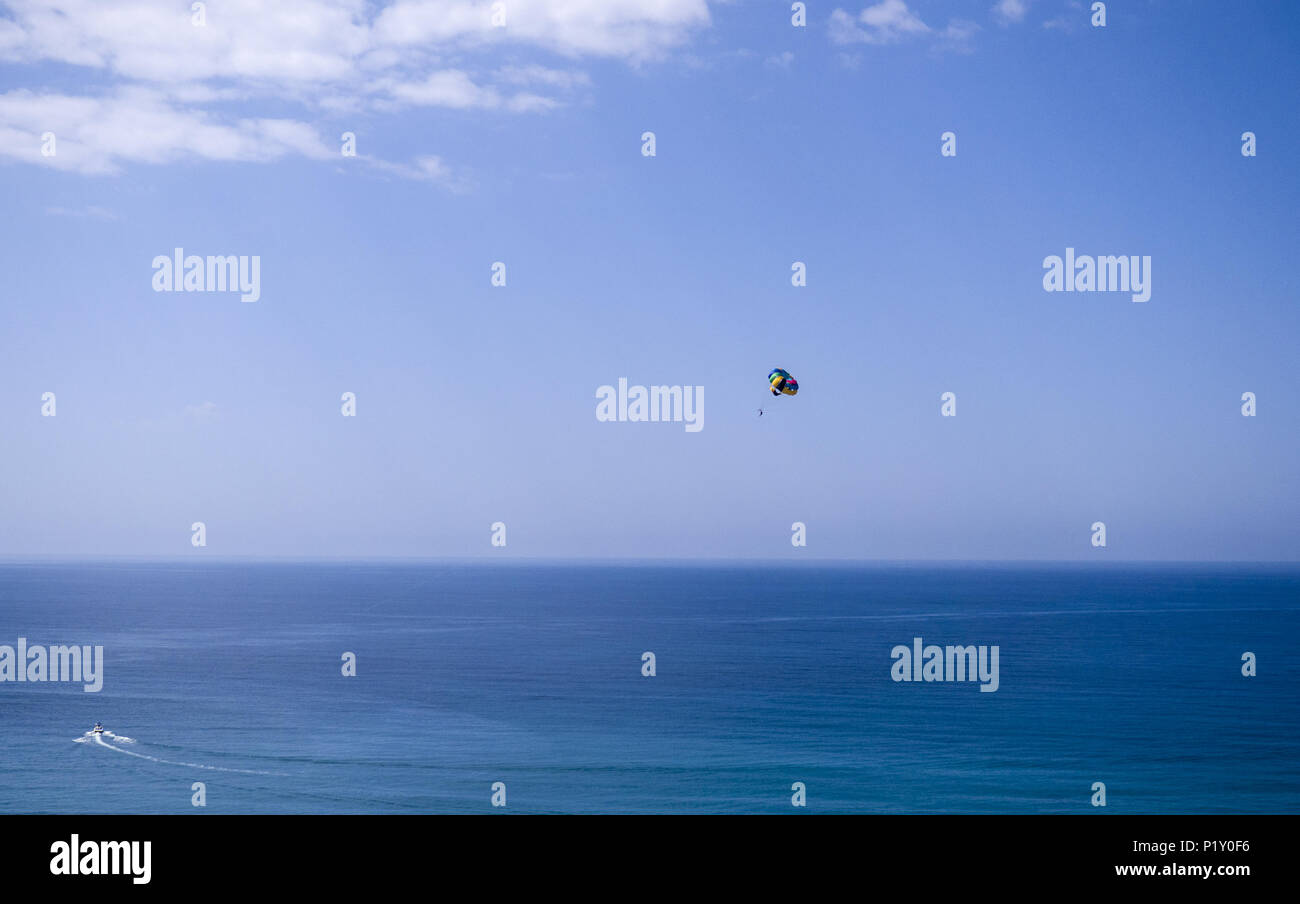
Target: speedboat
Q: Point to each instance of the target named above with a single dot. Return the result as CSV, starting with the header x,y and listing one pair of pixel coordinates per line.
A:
x,y
99,728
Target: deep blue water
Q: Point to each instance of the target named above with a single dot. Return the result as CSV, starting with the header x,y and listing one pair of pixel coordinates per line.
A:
x,y
530,675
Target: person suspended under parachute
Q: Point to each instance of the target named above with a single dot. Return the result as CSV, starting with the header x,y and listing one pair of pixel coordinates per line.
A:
x,y
781,383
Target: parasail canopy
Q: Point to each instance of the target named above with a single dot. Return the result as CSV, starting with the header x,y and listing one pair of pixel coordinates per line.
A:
x,y
782,382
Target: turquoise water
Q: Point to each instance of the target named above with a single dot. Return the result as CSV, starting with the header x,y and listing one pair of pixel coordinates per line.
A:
x,y
470,674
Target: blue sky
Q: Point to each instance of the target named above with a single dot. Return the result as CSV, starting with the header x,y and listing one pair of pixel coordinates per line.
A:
x,y
775,144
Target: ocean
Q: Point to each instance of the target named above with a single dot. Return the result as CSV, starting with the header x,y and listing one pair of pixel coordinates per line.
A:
x,y
765,675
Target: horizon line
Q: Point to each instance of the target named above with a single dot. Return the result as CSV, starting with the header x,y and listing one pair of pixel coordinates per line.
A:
x,y
56,558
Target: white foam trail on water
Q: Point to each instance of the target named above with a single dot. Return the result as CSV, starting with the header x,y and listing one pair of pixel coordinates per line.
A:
x,y
99,739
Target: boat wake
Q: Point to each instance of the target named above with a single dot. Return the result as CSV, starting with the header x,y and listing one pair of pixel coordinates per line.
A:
x,y
93,737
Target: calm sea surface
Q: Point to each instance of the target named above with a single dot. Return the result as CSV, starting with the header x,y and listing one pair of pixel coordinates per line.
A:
x,y
228,673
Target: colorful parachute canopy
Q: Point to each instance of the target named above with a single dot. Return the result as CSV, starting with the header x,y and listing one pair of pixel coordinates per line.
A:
x,y
782,382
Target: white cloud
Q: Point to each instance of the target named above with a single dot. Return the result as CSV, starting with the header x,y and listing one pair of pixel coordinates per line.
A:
x,y
633,29
431,169
447,88
100,134
561,79
525,102
781,60
11,38
290,40
891,21
325,40
164,84
455,89
884,23
310,42
1068,20
1010,11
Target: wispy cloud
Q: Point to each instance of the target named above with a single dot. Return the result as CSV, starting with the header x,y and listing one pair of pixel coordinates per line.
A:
x,y
533,76
101,134
885,23
204,411
1009,12
957,37
1068,20
431,169
446,88
631,29
457,89
90,212
892,21
161,87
